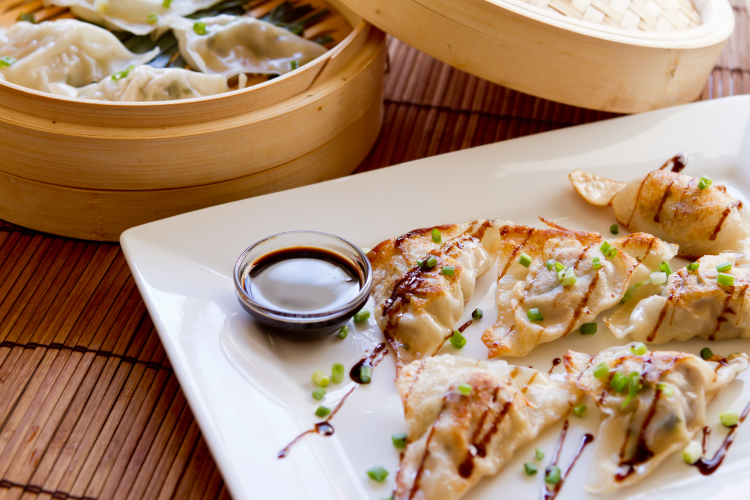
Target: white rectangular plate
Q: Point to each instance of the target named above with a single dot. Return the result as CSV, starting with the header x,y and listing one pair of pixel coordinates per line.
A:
x,y
250,391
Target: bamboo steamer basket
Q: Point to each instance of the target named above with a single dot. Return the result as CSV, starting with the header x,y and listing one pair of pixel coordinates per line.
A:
x,y
624,56
92,169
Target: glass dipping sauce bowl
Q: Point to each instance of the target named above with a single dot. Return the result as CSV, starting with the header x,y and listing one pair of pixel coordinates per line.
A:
x,y
306,324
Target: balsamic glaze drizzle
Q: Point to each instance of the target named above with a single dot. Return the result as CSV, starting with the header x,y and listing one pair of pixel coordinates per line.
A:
x,y
707,466
555,362
372,361
465,326
550,494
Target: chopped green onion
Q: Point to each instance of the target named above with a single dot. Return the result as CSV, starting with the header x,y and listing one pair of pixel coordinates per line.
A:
x,y
343,331
561,275
539,454
322,411
692,452
377,474
559,267
619,382
124,73
477,314
639,349
448,270
605,247
365,374
601,370
631,290
200,28
337,373
153,18
29,18
705,182
666,389
534,315
579,410
464,389
729,418
693,266
530,468
722,268
525,260
725,279
457,339
362,316
552,475
318,393
658,277
635,384
665,268
399,440
588,328
706,353
550,264
597,263
614,229
612,253
436,236
166,3
320,378
427,263
569,278
293,65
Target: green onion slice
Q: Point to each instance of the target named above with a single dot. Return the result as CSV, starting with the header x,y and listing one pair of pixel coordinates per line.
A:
x,y
614,229
639,349
377,474
320,378
525,260
166,3
539,454
692,452
530,468
665,268
322,411
362,316
477,314
464,389
612,253
29,18
293,65
123,74
619,382
399,440
550,264
200,28
706,353
343,331
448,270
318,393
337,373
365,374
534,315
724,267
705,182
457,340
605,247
437,237
601,370
725,279
552,474
666,389
597,263
693,266
569,278
729,418
559,267
153,18
579,410
588,328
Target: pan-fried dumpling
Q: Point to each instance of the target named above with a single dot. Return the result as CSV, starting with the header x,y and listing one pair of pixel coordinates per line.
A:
x,y
417,307
454,439
672,207
234,45
669,390
65,51
524,288
134,16
692,304
147,84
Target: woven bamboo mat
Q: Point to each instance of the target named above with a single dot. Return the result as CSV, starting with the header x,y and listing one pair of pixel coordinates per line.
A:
x,y
89,405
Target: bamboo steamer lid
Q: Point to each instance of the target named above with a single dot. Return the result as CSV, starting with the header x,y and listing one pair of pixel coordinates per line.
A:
x,y
624,56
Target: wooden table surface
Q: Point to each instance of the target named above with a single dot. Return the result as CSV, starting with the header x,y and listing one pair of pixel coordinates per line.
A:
x,y
90,406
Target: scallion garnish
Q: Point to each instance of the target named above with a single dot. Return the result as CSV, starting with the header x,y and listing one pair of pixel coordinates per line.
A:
x,y
612,253
550,264
539,454
559,267
658,277
639,349
464,389
579,410
377,474
362,316
427,263
724,267
569,278
706,353
320,378
448,270
530,468
124,73
365,374
605,247
200,28
322,411
166,3
705,182
635,384
525,260
588,328
29,18
619,382
601,370
343,331
534,315
631,290
665,268
552,474
729,418
692,452
293,65
318,393
457,340
477,314
6,61
614,229
597,263
153,18
725,279
399,440
666,389
337,373
437,237
693,266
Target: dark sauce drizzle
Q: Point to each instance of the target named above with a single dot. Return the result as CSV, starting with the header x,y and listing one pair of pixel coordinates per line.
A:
x,y
548,494
555,362
678,162
708,466
465,326
372,361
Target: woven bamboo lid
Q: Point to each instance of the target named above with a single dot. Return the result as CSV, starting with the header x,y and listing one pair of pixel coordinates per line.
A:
x,y
623,56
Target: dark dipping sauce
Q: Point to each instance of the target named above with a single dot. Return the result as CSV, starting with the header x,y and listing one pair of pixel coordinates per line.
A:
x,y
305,280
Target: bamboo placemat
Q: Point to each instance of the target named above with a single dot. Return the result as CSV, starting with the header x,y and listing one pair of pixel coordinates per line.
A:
x,y
90,406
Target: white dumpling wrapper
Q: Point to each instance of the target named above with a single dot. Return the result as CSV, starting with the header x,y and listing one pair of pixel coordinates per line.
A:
x,y
65,51
234,45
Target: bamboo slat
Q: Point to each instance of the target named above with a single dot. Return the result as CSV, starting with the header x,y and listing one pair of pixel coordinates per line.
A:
x,y
90,406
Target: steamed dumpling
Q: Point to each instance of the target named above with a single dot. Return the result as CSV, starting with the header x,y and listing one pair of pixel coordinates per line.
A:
x,y
234,45
453,439
638,433
65,51
130,15
417,308
672,207
692,304
564,308
147,84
